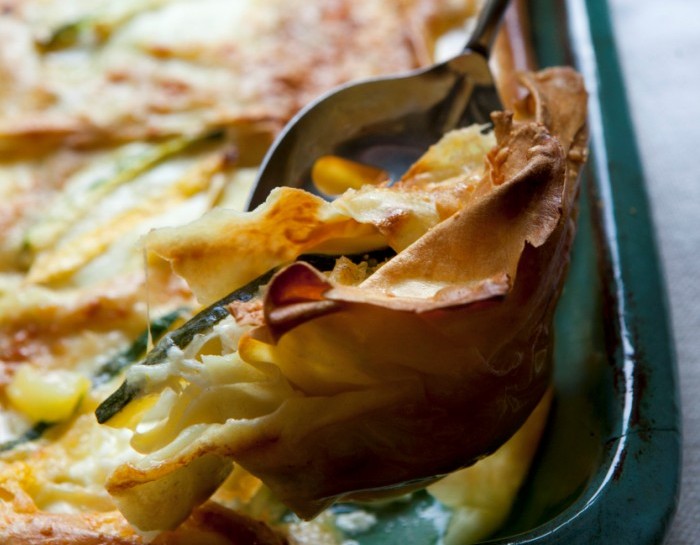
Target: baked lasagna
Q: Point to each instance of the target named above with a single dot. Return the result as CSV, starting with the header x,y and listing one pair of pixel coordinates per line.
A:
x,y
254,371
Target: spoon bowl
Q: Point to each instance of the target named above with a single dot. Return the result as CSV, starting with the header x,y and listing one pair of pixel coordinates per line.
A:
x,y
387,122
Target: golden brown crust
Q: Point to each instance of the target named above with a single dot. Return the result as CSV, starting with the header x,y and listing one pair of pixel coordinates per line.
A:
x,y
39,528
215,524
166,87
209,524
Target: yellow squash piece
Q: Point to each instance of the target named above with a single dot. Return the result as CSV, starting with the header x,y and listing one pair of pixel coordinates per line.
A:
x,y
46,395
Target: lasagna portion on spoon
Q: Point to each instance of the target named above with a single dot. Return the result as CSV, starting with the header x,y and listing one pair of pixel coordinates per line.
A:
x,y
369,345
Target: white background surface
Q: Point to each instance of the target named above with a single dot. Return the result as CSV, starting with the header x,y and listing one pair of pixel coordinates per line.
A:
x,y
659,48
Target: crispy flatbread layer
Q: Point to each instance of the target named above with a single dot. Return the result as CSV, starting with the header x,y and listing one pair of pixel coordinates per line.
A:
x,y
428,364
210,523
133,70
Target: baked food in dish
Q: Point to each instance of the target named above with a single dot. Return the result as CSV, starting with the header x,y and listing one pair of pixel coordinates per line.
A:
x,y
105,165
368,377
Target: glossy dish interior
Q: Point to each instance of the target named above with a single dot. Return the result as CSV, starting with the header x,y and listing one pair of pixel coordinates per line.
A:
x,y
609,462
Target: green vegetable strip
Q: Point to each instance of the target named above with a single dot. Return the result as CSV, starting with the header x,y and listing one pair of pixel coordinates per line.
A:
x,y
136,167
65,35
69,210
110,369
137,349
32,434
181,337
99,27
207,318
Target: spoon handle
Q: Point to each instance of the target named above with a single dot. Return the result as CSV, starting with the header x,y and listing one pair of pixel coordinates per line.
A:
x,y
487,24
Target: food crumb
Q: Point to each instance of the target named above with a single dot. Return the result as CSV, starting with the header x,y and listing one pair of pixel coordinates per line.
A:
x,y
355,522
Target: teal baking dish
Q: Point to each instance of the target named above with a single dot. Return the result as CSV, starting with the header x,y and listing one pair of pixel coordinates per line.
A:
x,y
607,471
616,423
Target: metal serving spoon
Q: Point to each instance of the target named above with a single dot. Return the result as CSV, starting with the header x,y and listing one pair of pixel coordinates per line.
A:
x,y
387,122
